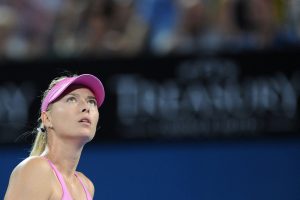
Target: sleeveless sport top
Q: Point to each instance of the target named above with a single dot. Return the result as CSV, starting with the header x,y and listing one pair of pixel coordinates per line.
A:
x,y
66,194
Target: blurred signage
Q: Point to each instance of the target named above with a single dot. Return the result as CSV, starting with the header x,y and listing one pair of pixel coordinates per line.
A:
x,y
207,98
167,98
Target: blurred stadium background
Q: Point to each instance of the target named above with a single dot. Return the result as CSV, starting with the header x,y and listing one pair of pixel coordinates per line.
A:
x,y
202,96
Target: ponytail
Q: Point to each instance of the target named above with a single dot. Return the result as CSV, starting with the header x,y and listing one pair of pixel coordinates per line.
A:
x,y
40,142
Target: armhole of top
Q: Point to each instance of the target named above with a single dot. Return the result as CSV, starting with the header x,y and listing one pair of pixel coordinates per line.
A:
x,y
87,192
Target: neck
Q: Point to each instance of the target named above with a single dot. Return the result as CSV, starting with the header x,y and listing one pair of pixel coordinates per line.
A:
x,y
64,155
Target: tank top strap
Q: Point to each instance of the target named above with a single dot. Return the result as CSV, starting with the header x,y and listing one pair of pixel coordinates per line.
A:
x,y
66,195
88,195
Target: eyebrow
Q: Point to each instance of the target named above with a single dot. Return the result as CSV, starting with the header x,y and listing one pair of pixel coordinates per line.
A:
x,y
77,95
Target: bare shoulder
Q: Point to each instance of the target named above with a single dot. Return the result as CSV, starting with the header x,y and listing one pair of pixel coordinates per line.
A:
x,y
31,163
30,178
87,182
32,168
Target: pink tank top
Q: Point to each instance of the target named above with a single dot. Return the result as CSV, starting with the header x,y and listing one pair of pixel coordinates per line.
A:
x,y
66,194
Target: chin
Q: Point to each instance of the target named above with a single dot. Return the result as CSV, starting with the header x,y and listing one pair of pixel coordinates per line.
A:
x,y
88,136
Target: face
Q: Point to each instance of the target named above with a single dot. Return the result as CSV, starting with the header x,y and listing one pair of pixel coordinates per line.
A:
x,y
75,114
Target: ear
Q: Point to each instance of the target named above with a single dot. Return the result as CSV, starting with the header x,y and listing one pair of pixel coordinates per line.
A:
x,y
46,120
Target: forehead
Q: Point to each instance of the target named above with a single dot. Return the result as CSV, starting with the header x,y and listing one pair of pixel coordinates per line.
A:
x,y
80,89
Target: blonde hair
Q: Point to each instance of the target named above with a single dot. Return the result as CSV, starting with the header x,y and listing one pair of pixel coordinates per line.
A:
x,y
40,140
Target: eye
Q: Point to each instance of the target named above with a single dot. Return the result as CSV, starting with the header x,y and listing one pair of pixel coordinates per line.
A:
x,y
71,99
92,102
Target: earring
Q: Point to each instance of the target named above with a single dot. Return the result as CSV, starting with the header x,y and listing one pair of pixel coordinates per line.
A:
x,y
41,129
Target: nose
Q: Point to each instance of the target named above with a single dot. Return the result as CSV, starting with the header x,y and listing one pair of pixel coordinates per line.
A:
x,y
85,110
85,107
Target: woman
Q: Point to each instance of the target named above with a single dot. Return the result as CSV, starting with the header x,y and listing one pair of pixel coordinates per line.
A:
x,y
69,116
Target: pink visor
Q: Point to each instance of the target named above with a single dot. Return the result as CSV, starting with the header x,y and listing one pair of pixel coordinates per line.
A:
x,y
88,80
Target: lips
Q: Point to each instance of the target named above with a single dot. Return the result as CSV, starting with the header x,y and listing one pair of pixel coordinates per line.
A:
x,y
85,120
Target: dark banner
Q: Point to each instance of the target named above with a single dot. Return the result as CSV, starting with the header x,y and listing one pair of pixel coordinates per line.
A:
x,y
167,98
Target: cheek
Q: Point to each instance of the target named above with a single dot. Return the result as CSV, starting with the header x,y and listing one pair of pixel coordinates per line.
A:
x,y
60,115
96,116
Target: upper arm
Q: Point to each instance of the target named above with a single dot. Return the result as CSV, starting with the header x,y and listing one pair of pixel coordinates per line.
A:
x,y
29,180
